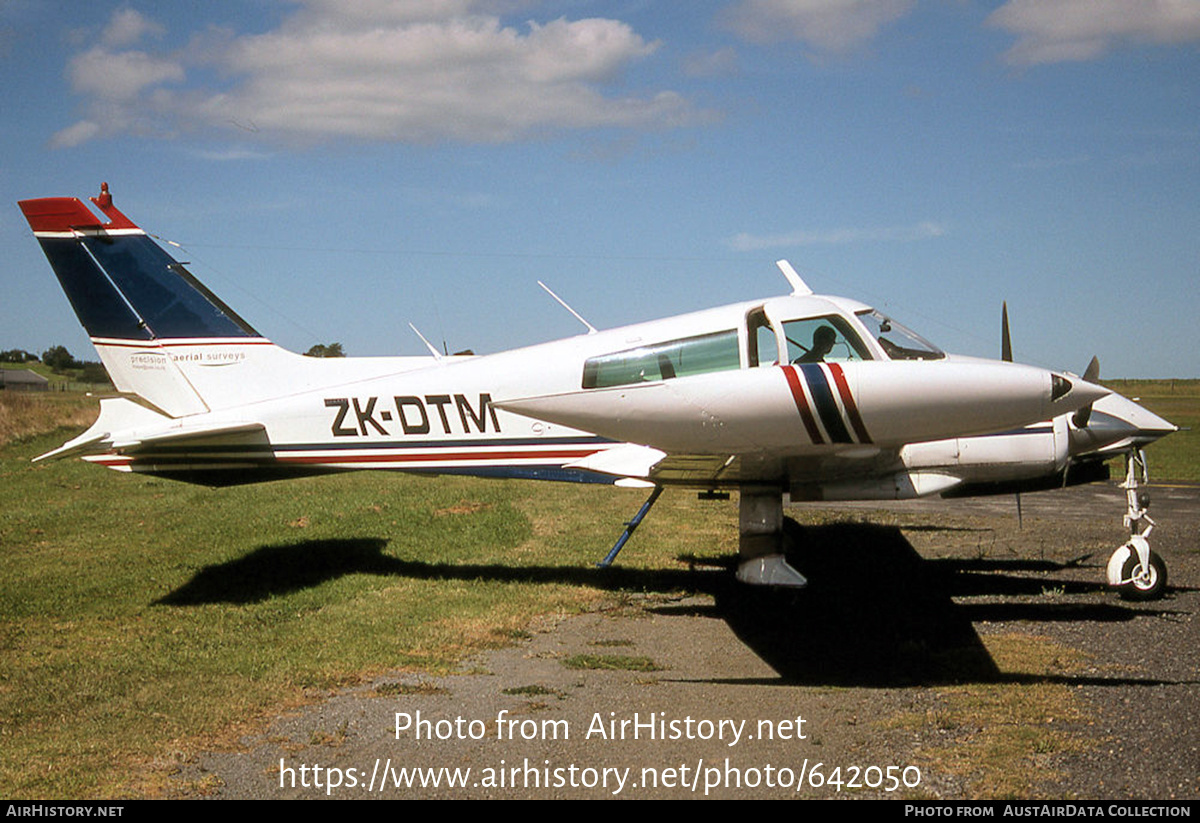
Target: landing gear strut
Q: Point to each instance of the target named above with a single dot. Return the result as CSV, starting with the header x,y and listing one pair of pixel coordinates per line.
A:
x,y
630,528
760,540
1134,570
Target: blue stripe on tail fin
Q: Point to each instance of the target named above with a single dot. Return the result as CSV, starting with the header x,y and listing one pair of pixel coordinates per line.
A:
x,y
127,287
98,305
121,284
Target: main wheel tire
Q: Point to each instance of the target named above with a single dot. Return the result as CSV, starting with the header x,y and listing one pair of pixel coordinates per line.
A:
x,y
1149,586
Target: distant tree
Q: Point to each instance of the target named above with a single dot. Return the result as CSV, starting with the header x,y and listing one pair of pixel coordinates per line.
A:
x,y
321,350
17,356
59,359
94,372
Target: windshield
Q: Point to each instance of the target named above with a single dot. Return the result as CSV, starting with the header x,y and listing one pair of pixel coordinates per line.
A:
x,y
898,342
825,339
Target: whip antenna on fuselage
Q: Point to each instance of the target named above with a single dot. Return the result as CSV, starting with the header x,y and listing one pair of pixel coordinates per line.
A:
x,y
437,355
591,329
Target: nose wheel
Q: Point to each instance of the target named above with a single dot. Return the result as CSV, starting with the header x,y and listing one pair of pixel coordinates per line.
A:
x,y
1134,570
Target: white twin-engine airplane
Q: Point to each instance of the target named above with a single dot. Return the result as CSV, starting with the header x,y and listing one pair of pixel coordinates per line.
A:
x,y
809,396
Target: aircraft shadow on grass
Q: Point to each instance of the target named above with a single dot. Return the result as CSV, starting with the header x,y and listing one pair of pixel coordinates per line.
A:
x,y
876,613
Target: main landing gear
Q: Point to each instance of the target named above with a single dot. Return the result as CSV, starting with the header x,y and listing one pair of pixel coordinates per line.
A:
x,y
760,538
1134,570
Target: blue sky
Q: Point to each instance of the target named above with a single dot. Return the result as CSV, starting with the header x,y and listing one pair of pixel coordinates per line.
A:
x,y
337,170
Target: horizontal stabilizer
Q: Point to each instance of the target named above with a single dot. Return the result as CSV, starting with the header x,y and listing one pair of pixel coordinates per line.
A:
x,y
190,436
116,414
127,426
90,442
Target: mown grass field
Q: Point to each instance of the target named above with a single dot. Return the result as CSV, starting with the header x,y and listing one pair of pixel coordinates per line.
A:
x,y
1176,458
139,616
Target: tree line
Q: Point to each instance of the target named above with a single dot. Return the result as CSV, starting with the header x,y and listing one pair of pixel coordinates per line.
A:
x,y
60,361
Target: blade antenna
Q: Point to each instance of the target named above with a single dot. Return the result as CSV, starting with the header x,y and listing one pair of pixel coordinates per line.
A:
x,y
799,287
591,329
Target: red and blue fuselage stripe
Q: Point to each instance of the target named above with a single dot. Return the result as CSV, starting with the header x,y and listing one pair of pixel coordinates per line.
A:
x,y
813,377
831,418
810,425
839,377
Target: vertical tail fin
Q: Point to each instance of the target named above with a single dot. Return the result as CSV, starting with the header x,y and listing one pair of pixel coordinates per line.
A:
x,y
145,313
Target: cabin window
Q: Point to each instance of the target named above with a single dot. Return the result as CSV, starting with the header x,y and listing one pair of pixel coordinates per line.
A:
x,y
664,361
828,339
898,342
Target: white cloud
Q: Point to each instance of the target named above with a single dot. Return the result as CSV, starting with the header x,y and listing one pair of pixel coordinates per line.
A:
x,y
377,70
717,63
231,154
75,134
1051,31
119,75
826,25
127,27
835,237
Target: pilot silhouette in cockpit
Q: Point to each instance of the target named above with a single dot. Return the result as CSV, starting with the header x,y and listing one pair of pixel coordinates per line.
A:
x,y
823,339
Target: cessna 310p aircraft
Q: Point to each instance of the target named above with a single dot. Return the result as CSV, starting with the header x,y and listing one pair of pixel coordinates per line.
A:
x,y
810,396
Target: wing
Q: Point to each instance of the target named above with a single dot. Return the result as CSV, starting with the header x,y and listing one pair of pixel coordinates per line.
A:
x,y
854,474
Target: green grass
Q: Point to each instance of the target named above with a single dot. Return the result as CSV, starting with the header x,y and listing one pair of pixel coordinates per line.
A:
x,y
139,615
616,662
397,689
1175,458
533,690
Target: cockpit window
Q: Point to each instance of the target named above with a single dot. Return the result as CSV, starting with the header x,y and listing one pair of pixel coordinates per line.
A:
x,y
664,361
898,342
827,339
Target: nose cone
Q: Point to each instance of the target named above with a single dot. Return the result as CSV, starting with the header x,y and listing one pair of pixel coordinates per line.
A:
x,y
1116,424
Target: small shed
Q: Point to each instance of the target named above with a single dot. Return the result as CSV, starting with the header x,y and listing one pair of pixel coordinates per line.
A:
x,y
22,380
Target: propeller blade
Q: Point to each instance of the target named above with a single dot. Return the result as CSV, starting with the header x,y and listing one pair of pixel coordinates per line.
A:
x,y
1092,375
1005,338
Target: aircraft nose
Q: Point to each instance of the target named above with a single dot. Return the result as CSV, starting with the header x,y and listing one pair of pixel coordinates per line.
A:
x,y
1146,426
1117,423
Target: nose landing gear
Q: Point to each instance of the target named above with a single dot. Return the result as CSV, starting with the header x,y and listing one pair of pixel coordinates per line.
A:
x,y
1137,572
